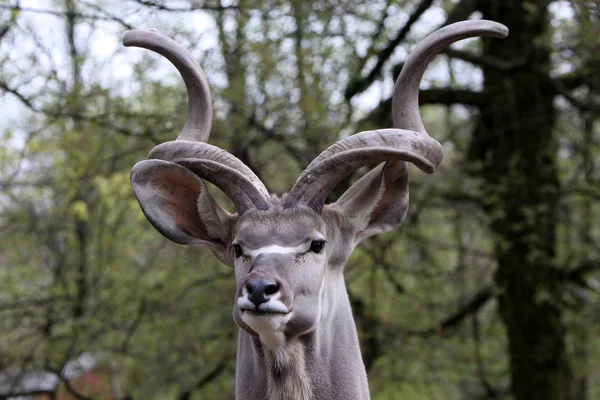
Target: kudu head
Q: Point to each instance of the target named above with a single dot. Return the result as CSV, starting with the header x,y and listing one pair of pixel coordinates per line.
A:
x,y
288,252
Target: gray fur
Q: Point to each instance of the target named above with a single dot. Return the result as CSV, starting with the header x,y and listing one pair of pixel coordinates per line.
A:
x,y
287,375
321,333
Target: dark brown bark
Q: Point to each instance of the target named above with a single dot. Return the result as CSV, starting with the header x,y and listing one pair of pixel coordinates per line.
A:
x,y
514,150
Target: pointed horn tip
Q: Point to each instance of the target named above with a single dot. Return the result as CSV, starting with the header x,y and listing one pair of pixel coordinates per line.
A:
x,y
134,36
504,31
489,28
498,29
428,166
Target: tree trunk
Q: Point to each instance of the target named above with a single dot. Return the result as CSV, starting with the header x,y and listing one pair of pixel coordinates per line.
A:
x,y
515,151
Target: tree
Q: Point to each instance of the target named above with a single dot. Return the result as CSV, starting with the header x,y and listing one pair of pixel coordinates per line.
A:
x,y
516,148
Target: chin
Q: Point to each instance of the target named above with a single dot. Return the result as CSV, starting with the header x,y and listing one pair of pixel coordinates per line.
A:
x,y
271,328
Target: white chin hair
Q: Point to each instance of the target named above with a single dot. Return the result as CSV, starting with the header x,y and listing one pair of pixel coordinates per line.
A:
x,y
268,326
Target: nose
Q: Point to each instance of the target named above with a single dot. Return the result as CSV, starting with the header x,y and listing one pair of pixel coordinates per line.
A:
x,y
260,290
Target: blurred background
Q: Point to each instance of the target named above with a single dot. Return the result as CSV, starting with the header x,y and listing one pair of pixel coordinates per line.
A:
x,y
488,291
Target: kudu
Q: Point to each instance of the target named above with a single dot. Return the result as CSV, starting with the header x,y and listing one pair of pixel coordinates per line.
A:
x,y
298,340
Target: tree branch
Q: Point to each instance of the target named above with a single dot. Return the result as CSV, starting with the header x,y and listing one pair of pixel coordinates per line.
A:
x,y
31,302
381,115
27,102
360,85
452,96
573,80
27,393
460,12
477,302
77,395
215,372
578,273
562,89
104,121
134,325
479,364
483,60
562,84
192,7
57,13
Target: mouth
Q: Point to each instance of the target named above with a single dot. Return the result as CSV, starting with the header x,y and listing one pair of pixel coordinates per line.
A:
x,y
264,309
262,313
269,326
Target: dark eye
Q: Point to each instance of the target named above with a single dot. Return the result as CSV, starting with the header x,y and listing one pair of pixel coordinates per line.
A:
x,y
237,249
316,246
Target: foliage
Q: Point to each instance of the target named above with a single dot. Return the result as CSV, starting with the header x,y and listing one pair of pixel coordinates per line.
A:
x,y
82,271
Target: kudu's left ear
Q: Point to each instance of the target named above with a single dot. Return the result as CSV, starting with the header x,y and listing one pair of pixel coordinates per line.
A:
x,y
179,206
377,202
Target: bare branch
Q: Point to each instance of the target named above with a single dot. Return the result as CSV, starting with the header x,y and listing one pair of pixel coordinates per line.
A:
x,y
578,273
6,28
480,367
562,84
27,393
134,325
475,304
214,373
23,99
381,114
562,89
192,7
102,120
76,394
452,96
30,302
483,60
109,16
360,85
573,80
106,17
461,11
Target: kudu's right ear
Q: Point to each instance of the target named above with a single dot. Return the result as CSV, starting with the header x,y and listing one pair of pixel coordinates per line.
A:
x,y
179,206
377,202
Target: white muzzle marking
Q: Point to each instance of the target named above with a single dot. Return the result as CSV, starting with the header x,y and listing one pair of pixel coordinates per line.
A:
x,y
273,305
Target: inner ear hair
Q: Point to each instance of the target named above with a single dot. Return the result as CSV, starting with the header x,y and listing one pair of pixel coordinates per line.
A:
x,y
362,196
378,201
216,219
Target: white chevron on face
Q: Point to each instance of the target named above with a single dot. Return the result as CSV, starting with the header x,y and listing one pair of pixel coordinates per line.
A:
x,y
274,248
277,249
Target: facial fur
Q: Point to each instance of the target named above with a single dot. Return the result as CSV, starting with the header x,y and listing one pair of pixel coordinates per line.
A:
x,y
289,249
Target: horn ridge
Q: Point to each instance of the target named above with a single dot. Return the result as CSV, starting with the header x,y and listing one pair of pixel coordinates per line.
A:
x,y
233,183
190,150
405,100
409,140
184,149
353,152
199,119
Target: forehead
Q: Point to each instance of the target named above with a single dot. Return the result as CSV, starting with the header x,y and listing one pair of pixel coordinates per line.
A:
x,y
283,227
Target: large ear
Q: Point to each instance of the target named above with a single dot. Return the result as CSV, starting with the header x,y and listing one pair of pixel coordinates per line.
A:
x,y
377,202
178,205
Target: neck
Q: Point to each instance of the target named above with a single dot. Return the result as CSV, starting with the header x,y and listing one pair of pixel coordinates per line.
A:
x,y
286,373
324,364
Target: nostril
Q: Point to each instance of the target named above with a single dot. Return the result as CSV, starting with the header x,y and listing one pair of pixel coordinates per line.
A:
x,y
271,288
260,290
